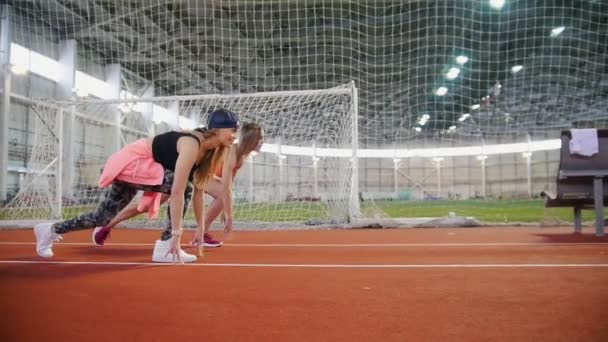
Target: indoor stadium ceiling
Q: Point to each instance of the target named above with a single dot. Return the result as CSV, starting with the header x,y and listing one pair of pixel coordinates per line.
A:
x,y
397,52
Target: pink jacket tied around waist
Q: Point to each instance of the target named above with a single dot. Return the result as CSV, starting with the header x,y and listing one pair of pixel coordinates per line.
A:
x,y
135,164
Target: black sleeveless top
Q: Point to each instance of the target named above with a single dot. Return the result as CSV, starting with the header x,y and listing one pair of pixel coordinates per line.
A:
x,y
164,149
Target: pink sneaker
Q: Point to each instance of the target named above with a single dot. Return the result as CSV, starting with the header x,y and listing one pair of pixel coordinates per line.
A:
x,y
100,234
210,242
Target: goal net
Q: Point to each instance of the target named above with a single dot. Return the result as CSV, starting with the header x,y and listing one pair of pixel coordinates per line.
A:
x,y
446,87
303,174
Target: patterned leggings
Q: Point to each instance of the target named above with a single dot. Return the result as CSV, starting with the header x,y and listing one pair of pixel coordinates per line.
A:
x,y
118,197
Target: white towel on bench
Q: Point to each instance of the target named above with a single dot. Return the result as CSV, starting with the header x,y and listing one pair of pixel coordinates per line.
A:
x,y
584,142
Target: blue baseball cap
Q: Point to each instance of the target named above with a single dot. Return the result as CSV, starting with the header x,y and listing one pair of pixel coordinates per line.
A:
x,y
221,118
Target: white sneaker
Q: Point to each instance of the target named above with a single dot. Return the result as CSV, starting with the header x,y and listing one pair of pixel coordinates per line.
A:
x,y
160,253
45,236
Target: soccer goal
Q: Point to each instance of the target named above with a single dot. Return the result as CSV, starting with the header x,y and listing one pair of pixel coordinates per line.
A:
x,y
305,173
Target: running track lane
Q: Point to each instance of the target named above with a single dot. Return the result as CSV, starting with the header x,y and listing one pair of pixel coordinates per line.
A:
x,y
96,302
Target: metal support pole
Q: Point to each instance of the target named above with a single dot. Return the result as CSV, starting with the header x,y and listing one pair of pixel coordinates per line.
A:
x,y
5,107
482,160
438,165
578,221
148,113
57,211
113,79
315,171
598,200
65,91
528,157
174,110
354,207
396,163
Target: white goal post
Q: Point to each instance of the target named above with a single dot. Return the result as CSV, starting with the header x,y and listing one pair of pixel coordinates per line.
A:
x,y
291,181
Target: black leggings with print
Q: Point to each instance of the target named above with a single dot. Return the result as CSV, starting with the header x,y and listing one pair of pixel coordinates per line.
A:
x,y
118,197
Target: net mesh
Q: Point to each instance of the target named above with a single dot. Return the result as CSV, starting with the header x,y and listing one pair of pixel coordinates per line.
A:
x,y
430,74
530,66
272,187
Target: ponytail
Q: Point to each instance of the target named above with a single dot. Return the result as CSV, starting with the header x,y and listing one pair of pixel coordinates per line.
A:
x,y
251,133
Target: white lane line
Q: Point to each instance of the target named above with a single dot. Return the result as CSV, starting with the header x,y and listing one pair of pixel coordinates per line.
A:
x,y
112,263
480,244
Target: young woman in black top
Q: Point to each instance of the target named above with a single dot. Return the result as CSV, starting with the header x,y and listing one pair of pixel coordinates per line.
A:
x,y
251,138
166,163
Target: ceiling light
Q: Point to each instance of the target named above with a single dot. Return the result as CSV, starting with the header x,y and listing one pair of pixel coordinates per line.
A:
x,y
557,31
497,3
464,117
515,69
452,73
462,60
441,91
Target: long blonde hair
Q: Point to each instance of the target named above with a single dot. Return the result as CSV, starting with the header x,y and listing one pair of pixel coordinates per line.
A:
x,y
210,161
251,133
